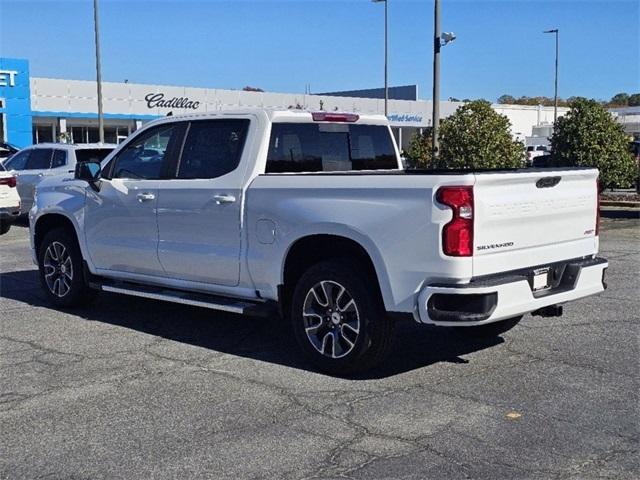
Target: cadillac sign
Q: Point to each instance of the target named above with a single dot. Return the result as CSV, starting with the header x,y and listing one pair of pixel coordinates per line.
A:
x,y
157,100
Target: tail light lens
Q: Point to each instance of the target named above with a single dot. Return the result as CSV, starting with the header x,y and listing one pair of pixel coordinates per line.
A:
x,y
9,181
598,208
457,235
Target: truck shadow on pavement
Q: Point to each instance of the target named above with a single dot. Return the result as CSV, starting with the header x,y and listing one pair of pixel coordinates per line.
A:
x,y
268,340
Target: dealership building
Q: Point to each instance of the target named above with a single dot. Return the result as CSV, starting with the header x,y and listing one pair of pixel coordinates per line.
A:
x,y
35,109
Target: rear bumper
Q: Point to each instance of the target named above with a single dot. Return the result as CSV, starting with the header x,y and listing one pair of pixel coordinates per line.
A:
x,y
509,295
9,213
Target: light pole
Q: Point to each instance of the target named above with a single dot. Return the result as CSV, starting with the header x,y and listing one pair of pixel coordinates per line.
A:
x,y
96,27
555,95
386,57
439,40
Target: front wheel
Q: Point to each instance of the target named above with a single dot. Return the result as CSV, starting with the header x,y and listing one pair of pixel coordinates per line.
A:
x,y
339,320
61,270
489,330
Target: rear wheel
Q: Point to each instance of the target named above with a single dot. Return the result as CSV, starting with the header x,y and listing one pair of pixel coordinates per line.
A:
x,y
339,322
61,270
490,330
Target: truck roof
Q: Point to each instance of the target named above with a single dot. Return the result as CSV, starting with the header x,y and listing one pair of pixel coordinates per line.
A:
x,y
72,146
282,115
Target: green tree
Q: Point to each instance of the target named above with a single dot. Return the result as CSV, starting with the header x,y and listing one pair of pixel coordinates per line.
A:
x,y
588,136
620,99
475,136
419,153
508,99
634,100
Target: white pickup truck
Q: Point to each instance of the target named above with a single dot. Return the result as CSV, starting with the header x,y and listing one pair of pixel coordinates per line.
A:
x,y
311,216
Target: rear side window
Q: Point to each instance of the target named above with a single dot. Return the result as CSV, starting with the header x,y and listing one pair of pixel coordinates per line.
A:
x,y
212,148
59,158
40,159
318,147
95,155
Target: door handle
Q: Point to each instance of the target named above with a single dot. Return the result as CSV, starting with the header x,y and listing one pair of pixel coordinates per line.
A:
x,y
145,197
223,199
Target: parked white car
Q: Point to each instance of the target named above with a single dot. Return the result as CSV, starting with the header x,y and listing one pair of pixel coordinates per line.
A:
x,y
9,200
30,165
310,215
6,150
534,151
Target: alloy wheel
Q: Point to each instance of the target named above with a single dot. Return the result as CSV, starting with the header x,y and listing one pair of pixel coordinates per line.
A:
x,y
58,269
331,319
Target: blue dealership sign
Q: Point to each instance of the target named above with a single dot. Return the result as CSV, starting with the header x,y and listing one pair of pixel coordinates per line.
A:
x,y
15,101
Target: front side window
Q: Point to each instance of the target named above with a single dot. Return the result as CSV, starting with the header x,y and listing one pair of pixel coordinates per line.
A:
x,y
212,148
144,156
311,147
40,159
18,161
59,158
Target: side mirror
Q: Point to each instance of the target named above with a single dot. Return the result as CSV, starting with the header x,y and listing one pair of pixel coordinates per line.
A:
x,y
89,172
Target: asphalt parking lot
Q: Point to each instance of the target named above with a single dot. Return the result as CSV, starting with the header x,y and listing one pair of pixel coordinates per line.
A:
x,y
131,388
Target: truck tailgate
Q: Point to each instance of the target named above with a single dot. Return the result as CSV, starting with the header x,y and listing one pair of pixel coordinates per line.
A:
x,y
526,219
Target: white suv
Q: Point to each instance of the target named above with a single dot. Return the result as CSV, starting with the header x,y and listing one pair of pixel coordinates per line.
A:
x,y
33,163
9,200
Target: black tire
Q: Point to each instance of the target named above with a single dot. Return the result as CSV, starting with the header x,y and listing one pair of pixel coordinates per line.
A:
x,y
343,351
4,227
490,330
71,288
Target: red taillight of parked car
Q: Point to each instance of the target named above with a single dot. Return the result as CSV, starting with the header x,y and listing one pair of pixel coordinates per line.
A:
x,y
598,208
10,181
457,235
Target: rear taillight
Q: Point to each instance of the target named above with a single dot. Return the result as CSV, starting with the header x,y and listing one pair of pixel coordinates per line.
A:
x,y
334,117
9,181
598,207
457,235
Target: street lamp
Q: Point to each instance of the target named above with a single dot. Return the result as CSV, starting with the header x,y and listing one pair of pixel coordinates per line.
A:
x,y
386,84
555,96
439,40
96,29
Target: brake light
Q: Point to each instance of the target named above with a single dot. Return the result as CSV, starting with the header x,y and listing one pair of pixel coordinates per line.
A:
x,y
598,207
334,117
10,181
457,235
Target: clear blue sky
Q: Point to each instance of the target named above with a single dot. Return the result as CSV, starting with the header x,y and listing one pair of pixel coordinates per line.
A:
x,y
334,45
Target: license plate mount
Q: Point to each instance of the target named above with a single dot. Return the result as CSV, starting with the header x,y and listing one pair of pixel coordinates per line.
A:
x,y
540,279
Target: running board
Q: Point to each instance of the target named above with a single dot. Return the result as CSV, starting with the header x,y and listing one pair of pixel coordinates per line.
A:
x,y
213,302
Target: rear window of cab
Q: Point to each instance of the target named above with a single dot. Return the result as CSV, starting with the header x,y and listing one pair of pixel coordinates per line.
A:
x,y
329,147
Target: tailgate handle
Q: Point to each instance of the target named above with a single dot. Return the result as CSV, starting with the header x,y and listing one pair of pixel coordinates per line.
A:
x,y
548,182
